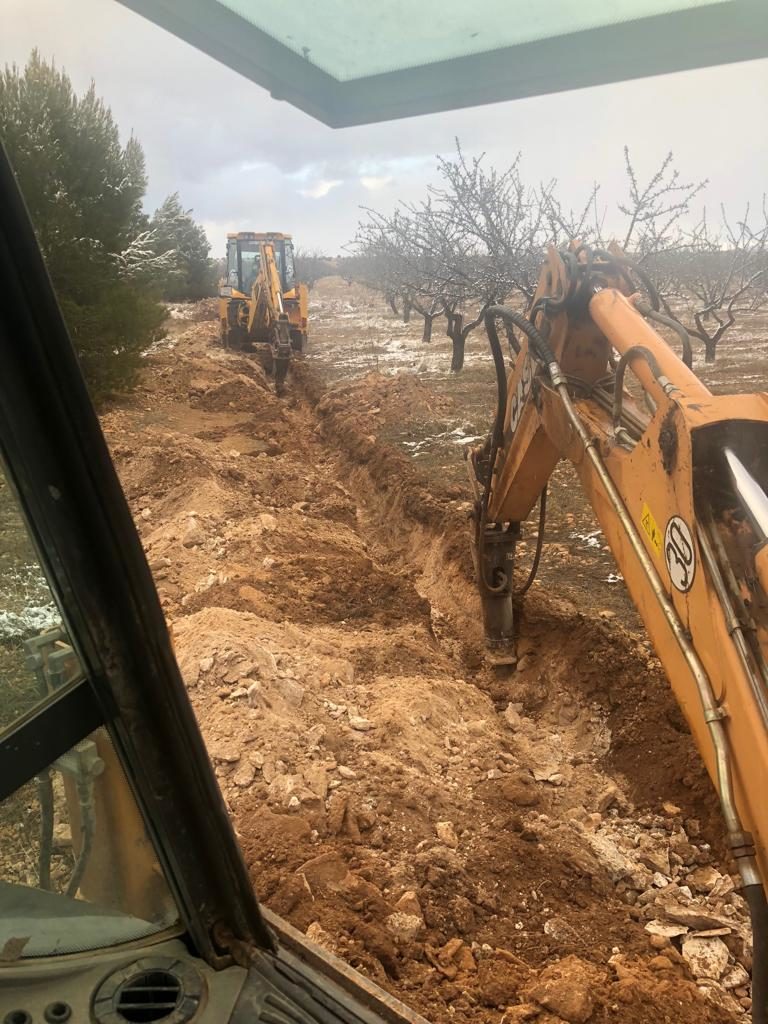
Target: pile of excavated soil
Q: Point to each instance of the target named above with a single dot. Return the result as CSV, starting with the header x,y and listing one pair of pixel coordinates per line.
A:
x,y
537,843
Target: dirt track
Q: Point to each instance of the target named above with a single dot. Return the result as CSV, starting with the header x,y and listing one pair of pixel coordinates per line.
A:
x,y
474,840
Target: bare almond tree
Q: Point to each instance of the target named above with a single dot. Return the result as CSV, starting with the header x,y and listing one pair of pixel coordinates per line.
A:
x,y
460,279
654,214
653,211
311,265
429,307
479,235
720,274
498,215
562,226
393,259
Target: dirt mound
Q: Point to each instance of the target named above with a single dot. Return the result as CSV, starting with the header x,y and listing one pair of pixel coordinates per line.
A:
x,y
239,392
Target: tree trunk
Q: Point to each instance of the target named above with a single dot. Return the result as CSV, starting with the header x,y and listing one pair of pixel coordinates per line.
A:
x,y
710,350
458,340
406,311
393,305
455,331
426,335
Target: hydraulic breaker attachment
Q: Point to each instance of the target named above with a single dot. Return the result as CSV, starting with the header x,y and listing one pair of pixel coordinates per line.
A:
x,y
281,351
493,552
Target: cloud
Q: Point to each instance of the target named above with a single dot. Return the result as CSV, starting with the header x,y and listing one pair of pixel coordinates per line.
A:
x,y
320,188
374,183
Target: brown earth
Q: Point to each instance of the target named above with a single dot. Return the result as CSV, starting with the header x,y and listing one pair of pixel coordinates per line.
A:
x,y
487,844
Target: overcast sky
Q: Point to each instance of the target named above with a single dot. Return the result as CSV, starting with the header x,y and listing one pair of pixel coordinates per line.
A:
x,y
242,160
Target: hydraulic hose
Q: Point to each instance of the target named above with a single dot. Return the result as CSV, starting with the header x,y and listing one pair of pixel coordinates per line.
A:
x,y
536,338
543,351
497,441
501,378
540,347
539,545
624,261
675,325
635,352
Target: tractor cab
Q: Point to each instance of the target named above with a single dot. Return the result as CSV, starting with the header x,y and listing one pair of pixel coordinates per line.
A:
x,y
244,256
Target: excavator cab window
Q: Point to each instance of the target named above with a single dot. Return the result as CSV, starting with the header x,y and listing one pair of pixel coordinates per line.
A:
x,y
289,273
233,264
250,260
118,855
283,250
78,870
113,828
28,612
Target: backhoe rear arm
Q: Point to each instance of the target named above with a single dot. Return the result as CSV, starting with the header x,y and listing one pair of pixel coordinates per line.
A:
x,y
654,469
266,294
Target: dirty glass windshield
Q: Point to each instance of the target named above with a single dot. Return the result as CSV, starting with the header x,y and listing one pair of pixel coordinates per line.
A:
x,y
290,269
250,261
232,269
278,251
77,868
30,621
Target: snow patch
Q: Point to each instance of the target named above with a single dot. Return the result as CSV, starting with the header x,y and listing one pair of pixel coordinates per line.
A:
x,y
29,621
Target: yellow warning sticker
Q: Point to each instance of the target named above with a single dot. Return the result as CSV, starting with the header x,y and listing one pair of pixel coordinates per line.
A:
x,y
651,528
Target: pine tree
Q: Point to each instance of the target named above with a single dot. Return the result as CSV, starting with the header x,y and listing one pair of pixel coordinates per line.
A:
x,y
174,229
84,192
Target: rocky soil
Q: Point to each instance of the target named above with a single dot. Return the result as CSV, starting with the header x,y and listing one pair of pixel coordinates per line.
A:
x,y
531,844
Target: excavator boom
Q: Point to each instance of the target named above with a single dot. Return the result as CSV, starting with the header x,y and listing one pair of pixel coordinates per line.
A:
x,y
677,479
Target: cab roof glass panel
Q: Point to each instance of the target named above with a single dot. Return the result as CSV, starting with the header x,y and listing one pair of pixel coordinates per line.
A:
x,y
350,39
348,62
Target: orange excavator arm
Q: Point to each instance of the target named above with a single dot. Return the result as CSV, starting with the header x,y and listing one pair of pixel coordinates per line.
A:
x,y
677,479
267,292
267,315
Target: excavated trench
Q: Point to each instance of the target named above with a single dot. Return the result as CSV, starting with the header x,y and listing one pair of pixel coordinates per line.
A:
x,y
529,844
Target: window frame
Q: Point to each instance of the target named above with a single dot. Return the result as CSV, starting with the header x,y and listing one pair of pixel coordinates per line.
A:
x,y
46,732
58,463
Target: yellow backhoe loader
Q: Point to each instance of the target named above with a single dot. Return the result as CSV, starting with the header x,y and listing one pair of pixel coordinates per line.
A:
x,y
262,307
